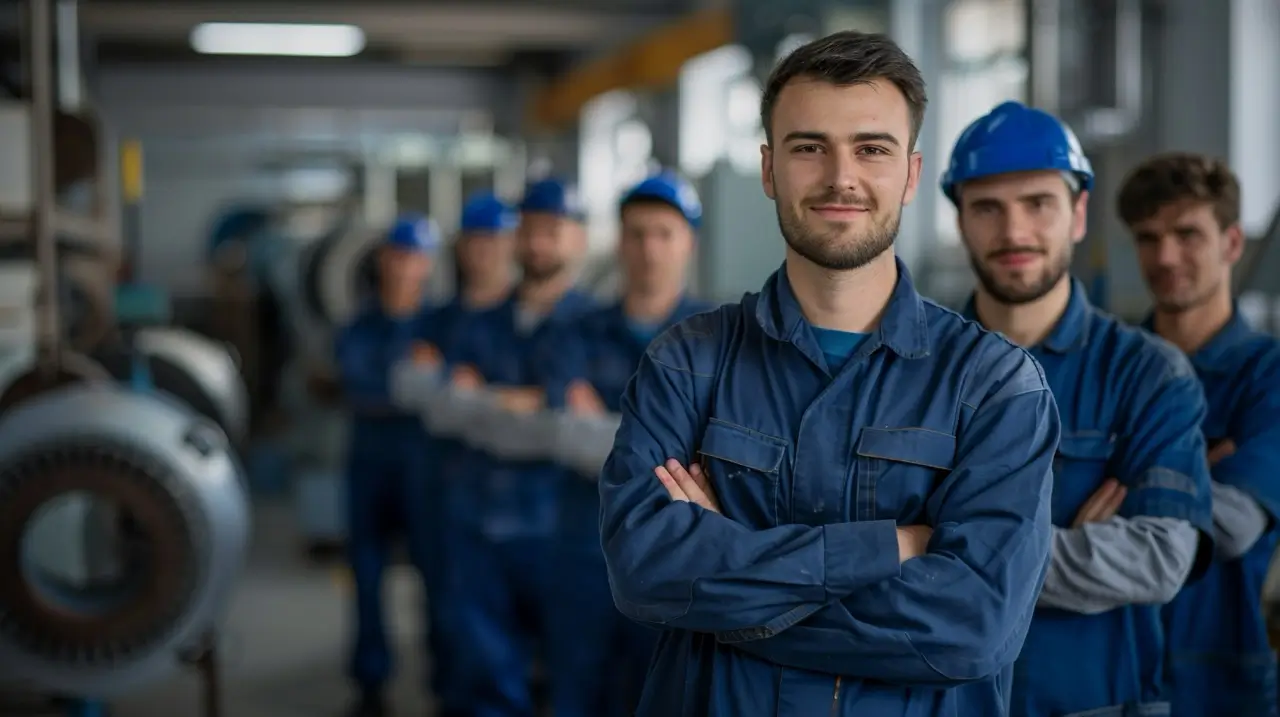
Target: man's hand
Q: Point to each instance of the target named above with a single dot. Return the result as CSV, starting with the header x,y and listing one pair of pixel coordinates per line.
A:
x,y
690,486
520,400
1221,450
1103,504
425,354
583,400
466,376
913,541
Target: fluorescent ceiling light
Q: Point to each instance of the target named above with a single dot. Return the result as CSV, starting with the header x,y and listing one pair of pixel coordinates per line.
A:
x,y
226,38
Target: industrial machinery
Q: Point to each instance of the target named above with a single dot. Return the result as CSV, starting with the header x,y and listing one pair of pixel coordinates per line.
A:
x,y
202,373
123,514
123,524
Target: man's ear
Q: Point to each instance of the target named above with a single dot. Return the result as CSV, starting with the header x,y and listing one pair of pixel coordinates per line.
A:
x,y
766,170
1234,248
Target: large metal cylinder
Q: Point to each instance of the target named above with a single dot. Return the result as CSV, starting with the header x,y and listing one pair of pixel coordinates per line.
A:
x,y
341,272
199,371
123,525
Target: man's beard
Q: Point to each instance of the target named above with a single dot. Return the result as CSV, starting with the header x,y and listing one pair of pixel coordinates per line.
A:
x,y
829,249
1015,295
1179,304
540,272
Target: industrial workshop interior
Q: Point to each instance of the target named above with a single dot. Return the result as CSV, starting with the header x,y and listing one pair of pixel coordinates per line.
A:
x,y
516,358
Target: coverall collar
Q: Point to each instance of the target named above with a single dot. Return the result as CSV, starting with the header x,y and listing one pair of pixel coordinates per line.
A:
x,y
1212,355
903,329
1071,333
618,320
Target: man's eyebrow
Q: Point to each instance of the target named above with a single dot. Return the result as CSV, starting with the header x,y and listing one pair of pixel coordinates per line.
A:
x,y
858,138
876,137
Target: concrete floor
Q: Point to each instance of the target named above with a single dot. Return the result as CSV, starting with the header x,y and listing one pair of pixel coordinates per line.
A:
x,y
284,640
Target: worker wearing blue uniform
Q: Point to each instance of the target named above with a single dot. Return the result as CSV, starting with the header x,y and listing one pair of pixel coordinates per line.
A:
x,y
387,490
484,262
504,507
833,496
1131,503
1184,213
484,256
600,671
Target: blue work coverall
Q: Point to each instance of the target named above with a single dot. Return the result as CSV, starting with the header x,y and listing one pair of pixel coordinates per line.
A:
x,y
388,491
502,518
1131,409
444,326
1220,662
793,602
600,670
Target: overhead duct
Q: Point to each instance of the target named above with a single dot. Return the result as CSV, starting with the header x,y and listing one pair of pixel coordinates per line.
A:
x,y
123,524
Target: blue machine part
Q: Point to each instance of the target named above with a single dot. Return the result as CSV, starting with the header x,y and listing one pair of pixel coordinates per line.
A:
x,y
238,224
142,305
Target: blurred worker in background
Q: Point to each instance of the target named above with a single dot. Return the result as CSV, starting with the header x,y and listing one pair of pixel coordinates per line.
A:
x,y
1184,213
504,508
1131,505
387,459
598,665
485,268
832,495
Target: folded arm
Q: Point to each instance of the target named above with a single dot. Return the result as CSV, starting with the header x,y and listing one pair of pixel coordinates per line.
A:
x,y
961,611
1101,566
1246,480
1238,521
675,564
584,442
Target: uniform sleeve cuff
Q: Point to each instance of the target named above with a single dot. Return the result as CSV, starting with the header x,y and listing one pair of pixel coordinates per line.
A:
x,y
860,554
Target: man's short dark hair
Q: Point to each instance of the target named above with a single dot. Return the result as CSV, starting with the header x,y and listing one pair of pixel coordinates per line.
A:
x,y
848,58
1176,177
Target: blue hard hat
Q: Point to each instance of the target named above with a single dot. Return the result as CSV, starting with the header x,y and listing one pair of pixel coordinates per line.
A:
x,y
552,196
413,232
669,188
1015,138
485,212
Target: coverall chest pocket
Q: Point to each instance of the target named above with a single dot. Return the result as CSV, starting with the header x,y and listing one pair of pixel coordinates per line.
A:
x,y
744,466
898,469
1079,468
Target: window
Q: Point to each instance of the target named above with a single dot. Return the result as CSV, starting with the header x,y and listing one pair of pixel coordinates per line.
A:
x,y
719,107
984,64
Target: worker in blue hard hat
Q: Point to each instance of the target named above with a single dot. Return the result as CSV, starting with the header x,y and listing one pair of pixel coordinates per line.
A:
x,y
600,672
484,268
503,512
1131,501
1183,210
387,495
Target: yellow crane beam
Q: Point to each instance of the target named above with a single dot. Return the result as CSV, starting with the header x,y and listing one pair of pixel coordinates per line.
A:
x,y
651,62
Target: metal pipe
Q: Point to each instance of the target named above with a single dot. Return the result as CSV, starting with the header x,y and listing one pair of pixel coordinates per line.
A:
x,y
1046,55
70,85
1129,52
41,63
